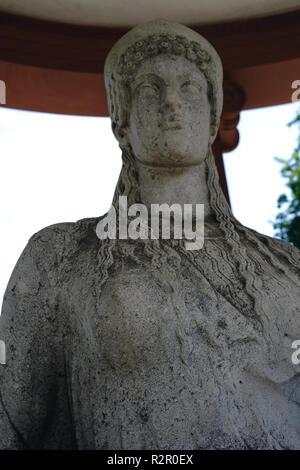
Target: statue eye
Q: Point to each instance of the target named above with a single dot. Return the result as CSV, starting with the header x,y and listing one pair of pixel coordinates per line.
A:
x,y
148,88
189,86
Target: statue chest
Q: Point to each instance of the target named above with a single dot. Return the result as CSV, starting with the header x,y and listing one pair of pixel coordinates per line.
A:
x,y
141,318
152,363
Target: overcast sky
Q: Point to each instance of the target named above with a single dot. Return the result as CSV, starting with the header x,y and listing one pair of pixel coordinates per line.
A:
x,y
57,168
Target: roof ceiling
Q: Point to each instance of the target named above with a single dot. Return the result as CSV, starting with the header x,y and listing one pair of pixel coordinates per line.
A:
x,y
117,13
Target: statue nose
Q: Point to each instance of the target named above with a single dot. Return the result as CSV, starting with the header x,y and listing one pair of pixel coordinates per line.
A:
x,y
171,101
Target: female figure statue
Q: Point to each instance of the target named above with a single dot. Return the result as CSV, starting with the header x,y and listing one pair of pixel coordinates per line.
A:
x,y
141,343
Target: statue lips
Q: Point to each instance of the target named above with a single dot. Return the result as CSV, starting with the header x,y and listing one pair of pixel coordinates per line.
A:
x,y
173,122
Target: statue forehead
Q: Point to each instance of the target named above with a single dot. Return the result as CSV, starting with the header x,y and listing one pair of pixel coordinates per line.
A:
x,y
170,67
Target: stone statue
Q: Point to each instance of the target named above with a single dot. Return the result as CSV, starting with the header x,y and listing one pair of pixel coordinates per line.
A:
x,y
143,344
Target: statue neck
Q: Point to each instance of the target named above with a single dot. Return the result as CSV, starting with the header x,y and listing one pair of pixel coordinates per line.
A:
x,y
173,186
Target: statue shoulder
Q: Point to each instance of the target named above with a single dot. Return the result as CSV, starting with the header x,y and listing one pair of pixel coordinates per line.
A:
x,y
46,255
58,241
287,253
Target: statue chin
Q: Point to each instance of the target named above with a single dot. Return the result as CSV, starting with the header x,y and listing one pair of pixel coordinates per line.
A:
x,y
173,154
172,160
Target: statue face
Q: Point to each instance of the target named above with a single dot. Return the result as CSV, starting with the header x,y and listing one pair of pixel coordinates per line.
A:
x,y
169,122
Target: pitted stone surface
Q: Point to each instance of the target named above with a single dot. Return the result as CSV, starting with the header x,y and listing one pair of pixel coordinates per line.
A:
x,y
141,344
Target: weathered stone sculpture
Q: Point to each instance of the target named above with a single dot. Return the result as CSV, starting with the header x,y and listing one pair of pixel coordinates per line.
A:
x,y
142,344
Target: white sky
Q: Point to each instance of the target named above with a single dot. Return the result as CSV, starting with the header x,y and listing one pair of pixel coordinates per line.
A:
x,y
57,168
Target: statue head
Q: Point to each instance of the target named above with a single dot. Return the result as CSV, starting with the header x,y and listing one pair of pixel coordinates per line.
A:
x,y
164,88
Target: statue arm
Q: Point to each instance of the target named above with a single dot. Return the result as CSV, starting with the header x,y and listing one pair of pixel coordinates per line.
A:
x,y
28,379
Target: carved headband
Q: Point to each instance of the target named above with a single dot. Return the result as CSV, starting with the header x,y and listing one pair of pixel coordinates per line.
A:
x,y
162,44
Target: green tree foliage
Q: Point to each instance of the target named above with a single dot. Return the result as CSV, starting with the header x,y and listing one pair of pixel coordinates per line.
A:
x,y
287,224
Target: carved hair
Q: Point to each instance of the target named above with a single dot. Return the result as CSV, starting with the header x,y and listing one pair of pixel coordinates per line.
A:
x,y
233,263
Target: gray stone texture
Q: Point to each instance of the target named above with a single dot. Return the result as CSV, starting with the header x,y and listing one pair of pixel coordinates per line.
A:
x,y
141,344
